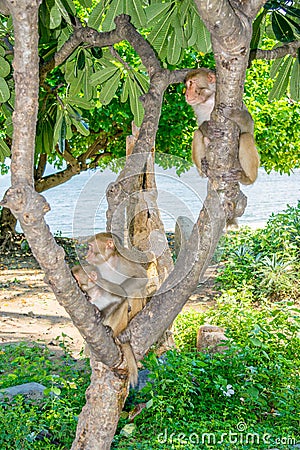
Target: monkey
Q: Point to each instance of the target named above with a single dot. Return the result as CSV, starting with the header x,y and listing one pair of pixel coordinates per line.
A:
x,y
200,94
104,252
111,301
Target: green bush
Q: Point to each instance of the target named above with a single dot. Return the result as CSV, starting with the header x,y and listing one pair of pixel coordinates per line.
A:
x,y
253,387
264,261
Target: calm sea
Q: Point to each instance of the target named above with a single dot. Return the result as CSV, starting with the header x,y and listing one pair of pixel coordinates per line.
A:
x,y
78,207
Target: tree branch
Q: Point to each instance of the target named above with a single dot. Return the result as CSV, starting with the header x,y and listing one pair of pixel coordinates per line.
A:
x,y
279,52
27,205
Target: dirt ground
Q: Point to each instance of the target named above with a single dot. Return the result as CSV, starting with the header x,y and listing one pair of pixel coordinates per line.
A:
x,y
30,312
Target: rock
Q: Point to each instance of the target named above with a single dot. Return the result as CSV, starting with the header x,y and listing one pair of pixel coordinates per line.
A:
x,y
183,230
210,339
30,390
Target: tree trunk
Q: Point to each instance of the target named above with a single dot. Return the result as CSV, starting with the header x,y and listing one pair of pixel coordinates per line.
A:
x,y
99,417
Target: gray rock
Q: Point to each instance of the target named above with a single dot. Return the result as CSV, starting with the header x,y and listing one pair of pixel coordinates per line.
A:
x,y
29,390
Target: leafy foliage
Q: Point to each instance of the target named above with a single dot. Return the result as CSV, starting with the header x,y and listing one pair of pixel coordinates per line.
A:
x,y
264,261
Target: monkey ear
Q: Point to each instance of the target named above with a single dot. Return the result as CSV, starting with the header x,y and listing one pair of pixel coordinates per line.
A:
x,y
211,77
110,244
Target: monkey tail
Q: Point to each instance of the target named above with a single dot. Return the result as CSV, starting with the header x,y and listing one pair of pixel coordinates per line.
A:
x,y
131,362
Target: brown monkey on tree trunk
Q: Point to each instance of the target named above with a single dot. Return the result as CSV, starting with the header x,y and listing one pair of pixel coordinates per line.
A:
x,y
200,94
111,301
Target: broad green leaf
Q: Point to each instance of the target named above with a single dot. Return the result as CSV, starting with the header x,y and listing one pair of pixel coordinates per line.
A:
x,y
4,151
81,126
137,13
143,81
86,3
55,17
2,51
184,11
47,137
62,135
57,126
4,91
159,35
116,7
203,42
156,11
103,75
275,66
63,10
175,20
125,90
174,49
4,67
69,5
79,101
76,83
87,87
295,81
135,104
9,126
109,89
282,79
96,16
281,28
257,26
63,37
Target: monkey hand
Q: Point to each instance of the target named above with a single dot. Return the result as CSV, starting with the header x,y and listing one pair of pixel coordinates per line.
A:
x,y
233,175
125,336
204,166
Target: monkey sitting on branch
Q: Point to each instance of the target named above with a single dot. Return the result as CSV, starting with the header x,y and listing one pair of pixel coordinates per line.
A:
x,y
111,301
200,94
121,266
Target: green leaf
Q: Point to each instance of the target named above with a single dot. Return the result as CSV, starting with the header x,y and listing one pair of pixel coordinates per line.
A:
x,y
143,81
86,3
275,66
4,151
257,26
281,28
70,5
63,10
4,91
174,49
109,89
157,11
63,37
159,35
135,104
116,7
295,81
79,101
62,135
137,13
125,90
103,75
55,17
282,79
4,67
96,16
57,126
203,42
2,51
